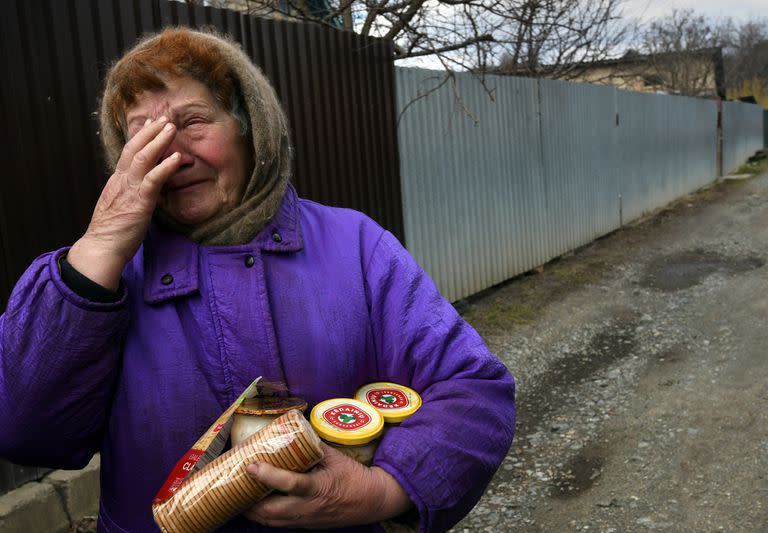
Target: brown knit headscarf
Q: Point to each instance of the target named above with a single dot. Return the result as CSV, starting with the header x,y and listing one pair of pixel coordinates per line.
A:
x,y
265,188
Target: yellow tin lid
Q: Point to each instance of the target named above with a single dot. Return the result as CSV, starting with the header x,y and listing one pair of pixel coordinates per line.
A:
x,y
270,405
346,421
394,402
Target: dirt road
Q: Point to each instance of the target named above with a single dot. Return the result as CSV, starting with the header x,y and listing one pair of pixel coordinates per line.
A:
x,y
642,367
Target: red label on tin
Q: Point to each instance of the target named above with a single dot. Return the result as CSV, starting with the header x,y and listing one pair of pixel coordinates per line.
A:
x,y
347,417
387,399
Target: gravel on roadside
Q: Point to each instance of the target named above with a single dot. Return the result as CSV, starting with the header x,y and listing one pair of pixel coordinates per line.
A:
x,y
623,353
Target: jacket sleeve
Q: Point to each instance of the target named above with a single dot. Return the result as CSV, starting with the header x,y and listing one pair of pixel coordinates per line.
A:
x,y
59,356
447,452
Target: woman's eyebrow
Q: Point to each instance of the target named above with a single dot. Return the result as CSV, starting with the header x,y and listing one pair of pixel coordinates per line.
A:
x,y
190,106
174,111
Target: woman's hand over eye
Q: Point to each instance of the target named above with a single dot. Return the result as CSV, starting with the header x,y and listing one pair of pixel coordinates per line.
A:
x,y
124,209
338,492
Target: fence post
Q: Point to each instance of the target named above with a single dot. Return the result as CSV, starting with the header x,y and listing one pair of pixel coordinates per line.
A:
x,y
765,128
719,138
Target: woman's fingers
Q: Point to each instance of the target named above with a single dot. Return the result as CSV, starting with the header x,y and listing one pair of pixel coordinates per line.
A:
x,y
338,492
138,141
281,480
278,511
146,158
152,183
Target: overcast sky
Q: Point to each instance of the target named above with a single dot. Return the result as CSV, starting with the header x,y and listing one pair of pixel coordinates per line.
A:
x,y
739,10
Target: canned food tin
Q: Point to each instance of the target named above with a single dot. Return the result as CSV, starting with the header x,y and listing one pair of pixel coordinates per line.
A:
x,y
349,425
394,402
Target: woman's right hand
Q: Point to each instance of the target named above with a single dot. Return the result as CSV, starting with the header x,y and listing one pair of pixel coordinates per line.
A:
x,y
124,209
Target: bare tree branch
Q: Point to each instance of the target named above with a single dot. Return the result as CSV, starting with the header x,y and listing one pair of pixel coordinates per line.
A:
x,y
451,48
524,36
684,53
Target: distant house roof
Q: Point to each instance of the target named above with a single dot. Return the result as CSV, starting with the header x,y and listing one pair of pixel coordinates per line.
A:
x,y
633,57
630,59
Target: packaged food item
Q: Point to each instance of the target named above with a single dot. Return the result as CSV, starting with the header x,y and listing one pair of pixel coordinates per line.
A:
x,y
349,425
205,490
222,489
257,412
394,402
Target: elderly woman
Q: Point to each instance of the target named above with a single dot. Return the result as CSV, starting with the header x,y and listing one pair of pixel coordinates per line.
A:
x,y
200,270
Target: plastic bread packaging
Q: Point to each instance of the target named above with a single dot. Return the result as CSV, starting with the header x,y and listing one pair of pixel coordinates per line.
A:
x,y
198,499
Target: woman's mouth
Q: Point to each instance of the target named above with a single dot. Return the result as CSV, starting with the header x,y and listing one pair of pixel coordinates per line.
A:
x,y
184,186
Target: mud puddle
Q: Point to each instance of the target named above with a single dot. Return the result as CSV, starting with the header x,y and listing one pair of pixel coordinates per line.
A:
x,y
686,269
608,346
579,474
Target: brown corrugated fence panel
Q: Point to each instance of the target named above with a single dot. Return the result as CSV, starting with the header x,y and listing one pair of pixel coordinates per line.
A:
x,y
337,88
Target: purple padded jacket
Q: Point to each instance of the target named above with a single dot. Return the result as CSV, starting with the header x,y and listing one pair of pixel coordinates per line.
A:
x,y
323,299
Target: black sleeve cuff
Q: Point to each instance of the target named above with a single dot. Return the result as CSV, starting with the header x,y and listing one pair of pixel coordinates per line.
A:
x,y
86,287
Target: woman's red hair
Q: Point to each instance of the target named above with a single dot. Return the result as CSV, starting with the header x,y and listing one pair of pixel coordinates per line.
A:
x,y
176,52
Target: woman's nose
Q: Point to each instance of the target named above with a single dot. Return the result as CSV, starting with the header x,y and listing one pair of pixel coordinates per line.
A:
x,y
177,145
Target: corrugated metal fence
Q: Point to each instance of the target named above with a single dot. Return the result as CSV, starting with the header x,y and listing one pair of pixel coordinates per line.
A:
x,y
666,148
337,88
742,133
544,168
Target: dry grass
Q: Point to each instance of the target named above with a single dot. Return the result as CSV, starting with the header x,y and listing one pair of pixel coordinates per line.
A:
x,y
753,168
500,315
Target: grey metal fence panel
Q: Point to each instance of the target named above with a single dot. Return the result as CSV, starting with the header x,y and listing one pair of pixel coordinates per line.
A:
x,y
578,126
493,188
473,191
667,147
742,133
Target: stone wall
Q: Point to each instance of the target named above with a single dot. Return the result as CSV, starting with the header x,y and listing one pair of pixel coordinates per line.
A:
x,y
64,501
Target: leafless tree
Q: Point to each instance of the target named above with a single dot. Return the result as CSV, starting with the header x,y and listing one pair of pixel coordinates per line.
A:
x,y
684,51
524,36
555,38
685,47
746,58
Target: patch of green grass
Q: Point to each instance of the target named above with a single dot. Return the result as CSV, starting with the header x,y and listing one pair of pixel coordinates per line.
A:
x,y
500,315
525,301
722,184
712,192
753,168
573,274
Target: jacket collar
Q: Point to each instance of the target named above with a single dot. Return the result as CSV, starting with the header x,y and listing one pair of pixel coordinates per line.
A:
x,y
171,260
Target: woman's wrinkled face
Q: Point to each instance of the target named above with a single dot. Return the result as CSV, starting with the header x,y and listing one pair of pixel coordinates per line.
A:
x,y
215,158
